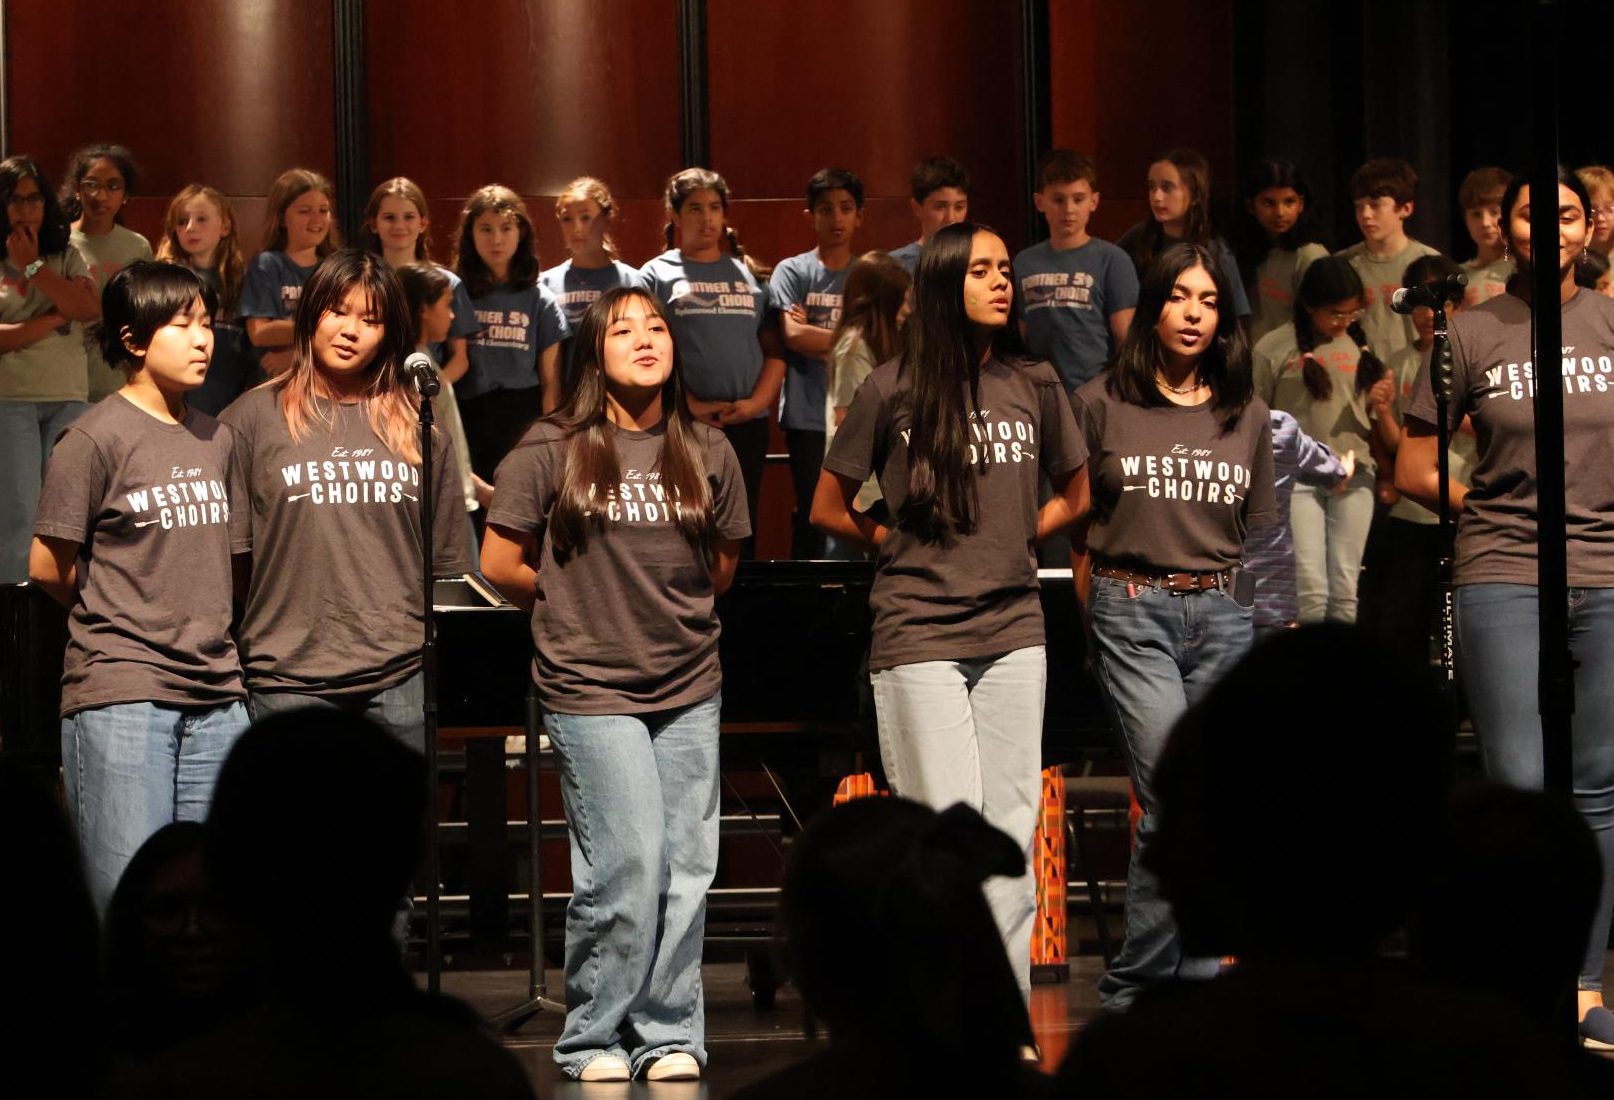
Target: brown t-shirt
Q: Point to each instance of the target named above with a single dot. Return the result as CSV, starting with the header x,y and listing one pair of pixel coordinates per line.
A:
x,y
148,504
625,625
975,595
1493,384
1173,492
333,526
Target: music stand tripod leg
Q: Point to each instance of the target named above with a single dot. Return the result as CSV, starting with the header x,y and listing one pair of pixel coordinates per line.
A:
x,y
538,999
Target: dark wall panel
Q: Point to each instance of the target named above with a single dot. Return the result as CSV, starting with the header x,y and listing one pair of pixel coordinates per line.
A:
x,y
870,87
528,93
1129,81
226,92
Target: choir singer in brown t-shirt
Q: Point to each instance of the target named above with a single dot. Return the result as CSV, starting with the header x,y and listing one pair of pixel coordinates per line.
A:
x,y
958,431
1180,464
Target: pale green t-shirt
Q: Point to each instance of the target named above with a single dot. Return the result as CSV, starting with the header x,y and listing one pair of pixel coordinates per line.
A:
x,y
1387,331
105,256
1277,280
51,368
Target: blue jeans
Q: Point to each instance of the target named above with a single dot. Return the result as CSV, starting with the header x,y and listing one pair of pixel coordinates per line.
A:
x,y
1330,531
397,710
971,731
28,430
1157,654
131,768
641,796
1498,655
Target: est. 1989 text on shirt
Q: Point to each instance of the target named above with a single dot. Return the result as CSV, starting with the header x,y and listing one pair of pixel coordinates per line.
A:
x,y
332,522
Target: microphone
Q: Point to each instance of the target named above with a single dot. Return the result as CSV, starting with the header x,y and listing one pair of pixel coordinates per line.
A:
x,y
419,370
1434,295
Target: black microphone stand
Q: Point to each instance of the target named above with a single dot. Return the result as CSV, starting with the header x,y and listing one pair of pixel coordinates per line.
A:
x,y
427,385
1440,378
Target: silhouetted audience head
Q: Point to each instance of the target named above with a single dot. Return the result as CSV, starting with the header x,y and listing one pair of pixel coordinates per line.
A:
x,y
1291,824
48,946
315,830
891,943
1294,826
1508,897
313,839
170,962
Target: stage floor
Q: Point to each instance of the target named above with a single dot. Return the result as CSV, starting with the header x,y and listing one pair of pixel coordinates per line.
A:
x,y
743,1042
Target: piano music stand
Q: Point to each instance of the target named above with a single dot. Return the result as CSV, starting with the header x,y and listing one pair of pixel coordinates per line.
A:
x,y
538,999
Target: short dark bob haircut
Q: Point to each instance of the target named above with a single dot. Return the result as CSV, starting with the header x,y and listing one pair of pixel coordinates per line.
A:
x,y
141,299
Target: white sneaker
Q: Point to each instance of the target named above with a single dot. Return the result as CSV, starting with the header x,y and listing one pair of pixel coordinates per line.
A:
x,y
676,1066
607,1067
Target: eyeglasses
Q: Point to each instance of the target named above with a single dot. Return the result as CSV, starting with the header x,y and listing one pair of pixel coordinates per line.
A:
x,y
1341,315
1603,213
91,187
23,202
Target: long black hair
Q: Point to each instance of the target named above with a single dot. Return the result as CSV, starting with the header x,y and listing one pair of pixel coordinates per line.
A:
x,y
591,459
941,493
1251,242
55,230
1225,364
1327,282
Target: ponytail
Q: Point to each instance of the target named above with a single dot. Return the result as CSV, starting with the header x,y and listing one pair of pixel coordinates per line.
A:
x,y
758,271
1312,372
1369,367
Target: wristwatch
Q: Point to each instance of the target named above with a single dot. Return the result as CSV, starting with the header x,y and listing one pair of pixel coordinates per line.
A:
x,y
33,268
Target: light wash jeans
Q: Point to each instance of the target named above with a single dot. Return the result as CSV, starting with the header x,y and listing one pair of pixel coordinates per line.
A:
x,y
1158,654
1499,657
1330,531
28,430
971,731
397,710
641,797
131,768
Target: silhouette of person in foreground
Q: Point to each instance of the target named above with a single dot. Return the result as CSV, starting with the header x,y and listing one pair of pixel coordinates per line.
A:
x,y
1293,838
1508,899
891,942
314,834
49,1042
171,967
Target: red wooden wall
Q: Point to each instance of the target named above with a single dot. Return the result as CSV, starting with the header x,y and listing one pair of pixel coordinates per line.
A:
x,y
1129,81
531,93
224,92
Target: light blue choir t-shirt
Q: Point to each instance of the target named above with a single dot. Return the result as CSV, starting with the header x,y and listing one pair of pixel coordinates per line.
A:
x,y
1066,298
513,329
272,286
804,280
907,256
716,310
464,325
577,288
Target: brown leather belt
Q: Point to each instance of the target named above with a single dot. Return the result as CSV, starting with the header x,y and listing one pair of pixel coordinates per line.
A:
x,y
1166,582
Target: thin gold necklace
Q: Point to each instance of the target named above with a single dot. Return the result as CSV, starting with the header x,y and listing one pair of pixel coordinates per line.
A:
x,y
1169,388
